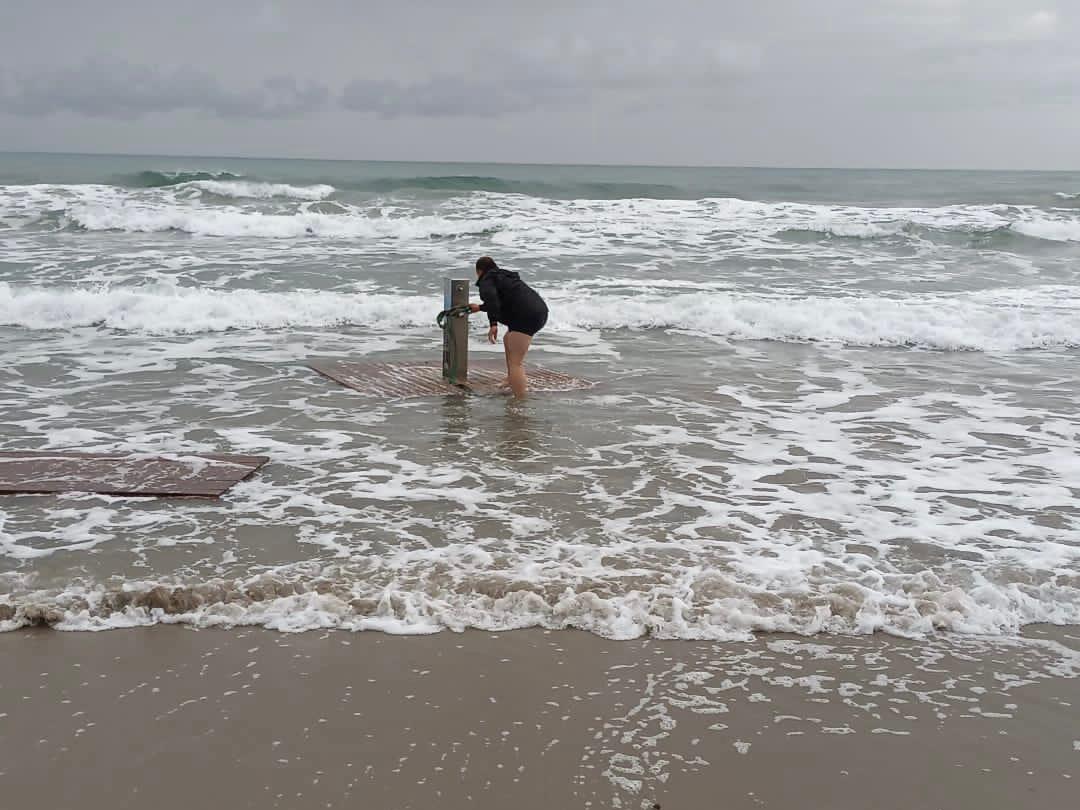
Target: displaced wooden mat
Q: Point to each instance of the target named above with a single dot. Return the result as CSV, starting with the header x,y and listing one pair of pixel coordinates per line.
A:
x,y
28,472
400,380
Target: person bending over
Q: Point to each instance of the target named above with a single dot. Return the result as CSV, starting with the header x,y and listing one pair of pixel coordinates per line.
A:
x,y
509,300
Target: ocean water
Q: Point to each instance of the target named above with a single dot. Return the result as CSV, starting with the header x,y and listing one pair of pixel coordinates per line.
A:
x,y
826,401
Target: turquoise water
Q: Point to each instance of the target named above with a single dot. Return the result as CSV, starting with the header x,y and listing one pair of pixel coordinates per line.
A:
x,y
827,400
856,186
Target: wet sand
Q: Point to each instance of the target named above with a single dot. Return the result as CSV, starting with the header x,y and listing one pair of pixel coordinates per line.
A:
x,y
168,717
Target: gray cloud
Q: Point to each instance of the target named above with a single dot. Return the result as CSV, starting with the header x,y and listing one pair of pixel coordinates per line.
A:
x,y
439,97
835,82
556,72
117,89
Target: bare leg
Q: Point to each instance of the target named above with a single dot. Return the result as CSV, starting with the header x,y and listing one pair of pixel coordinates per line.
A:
x,y
515,345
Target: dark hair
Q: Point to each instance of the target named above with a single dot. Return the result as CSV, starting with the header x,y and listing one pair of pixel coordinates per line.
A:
x,y
485,263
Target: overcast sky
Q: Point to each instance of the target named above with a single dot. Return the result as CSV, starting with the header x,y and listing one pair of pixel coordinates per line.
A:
x,y
889,83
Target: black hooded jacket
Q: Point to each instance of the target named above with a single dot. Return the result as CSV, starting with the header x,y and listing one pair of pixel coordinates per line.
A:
x,y
509,299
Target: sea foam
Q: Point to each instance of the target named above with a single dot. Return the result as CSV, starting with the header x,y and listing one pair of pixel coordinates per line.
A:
x,y
723,607
242,189
601,225
1055,230
1002,321
206,221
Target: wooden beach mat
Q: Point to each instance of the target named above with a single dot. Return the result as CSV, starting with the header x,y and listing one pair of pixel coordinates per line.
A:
x,y
401,380
197,475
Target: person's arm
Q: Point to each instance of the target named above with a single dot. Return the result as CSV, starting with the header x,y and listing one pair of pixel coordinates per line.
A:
x,y
489,294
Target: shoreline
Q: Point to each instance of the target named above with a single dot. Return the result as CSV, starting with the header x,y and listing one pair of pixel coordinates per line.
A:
x,y
536,719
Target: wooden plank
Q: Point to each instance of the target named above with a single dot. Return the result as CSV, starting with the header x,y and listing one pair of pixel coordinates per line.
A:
x,y
196,475
408,379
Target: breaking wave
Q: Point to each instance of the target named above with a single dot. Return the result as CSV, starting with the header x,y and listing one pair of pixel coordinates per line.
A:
x,y
451,183
207,221
708,605
243,189
161,309
613,190
1052,230
157,179
225,207
1039,318
701,219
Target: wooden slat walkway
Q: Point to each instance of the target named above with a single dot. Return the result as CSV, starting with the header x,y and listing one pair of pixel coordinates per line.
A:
x,y
201,475
402,380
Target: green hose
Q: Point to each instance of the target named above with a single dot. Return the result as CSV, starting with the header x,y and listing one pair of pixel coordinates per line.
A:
x,y
453,312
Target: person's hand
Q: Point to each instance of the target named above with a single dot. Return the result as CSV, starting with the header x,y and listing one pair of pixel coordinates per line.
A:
x,y
493,333
474,308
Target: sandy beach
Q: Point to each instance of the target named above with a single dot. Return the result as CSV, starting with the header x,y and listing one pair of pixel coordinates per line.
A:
x,y
173,718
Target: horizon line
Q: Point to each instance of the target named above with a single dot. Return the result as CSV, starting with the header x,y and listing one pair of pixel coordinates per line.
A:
x,y
534,163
